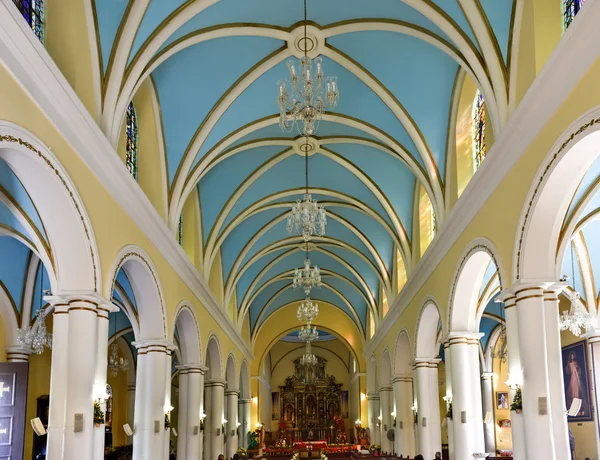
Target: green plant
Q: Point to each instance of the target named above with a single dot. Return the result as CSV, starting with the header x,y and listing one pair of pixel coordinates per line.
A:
x,y
449,412
98,414
517,402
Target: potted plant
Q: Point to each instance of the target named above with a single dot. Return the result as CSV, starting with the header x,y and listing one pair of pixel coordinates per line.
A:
x,y
98,414
517,402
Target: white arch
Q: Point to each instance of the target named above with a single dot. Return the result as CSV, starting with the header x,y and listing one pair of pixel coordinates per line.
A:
x,y
149,298
245,390
536,254
70,234
372,376
385,380
402,354
214,357
186,323
426,335
231,374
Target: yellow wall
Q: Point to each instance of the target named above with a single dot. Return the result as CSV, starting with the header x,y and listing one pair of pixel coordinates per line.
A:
x,y
119,415
503,435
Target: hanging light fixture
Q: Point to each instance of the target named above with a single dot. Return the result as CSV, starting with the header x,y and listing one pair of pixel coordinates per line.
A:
x,y
307,311
577,318
308,277
310,93
307,217
116,363
308,333
36,337
308,358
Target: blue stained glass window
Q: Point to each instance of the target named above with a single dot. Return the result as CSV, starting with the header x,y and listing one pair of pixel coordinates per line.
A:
x,y
33,12
131,146
479,150
571,8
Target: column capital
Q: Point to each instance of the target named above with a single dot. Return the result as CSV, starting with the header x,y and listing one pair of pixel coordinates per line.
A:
x,y
215,383
386,388
402,378
372,397
487,375
592,336
191,369
527,288
232,392
461,337
18,354
244,400
425,363
154,346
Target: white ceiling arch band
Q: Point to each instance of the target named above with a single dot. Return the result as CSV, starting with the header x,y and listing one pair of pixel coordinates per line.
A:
x,y
469,63
466,47
324,285
260,206
177,202
253,288
276,245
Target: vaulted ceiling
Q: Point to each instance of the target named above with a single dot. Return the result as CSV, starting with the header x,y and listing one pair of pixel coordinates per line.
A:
x,y
214,65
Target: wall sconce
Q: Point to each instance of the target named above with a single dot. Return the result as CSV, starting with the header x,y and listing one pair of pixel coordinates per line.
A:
x,y
515,379
415,414
363,396
379,421
357,423
255,399
202,417
449,413
393,414
259,426
99,392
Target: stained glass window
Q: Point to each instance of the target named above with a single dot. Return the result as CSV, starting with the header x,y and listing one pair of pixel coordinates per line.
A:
x,y
478,130
131,146
571,8
33,12
180,230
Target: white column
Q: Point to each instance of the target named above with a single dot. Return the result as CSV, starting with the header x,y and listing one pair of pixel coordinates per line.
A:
x,y
448,399
386,397
466,394
182,411
18,354
534,346
515,372
429,434
213,431
558,407
74,357
131,408
231,425
373,409
487,396
101,370
152,394
405,428
195,402
244,409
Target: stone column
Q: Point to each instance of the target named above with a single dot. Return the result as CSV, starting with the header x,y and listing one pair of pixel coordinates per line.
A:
x,y
405,428
467,418
374,411
515,372
386,398
213,426
244,410
231,425
195,403
152,395
537,341
74,356
101,373
131,407
448,400
182,412
429,434
487,396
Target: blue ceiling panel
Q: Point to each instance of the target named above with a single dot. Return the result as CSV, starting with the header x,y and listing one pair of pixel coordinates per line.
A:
x,y
217,187
123,282
489,273
499,15
118,322
39,288
9,220
266,295
108,16
360,265
424,86
486,326
390,174
351,294
592,242
591,176
571,268
495,308
13,274
453,9
191,82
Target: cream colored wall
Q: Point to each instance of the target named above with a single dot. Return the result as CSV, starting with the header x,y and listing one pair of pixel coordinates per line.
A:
x,y
119,415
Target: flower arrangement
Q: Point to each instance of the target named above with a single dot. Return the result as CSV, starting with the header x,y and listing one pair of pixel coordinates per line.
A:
x,y
98,414
323,456
296,456
374,448
242,452
517,402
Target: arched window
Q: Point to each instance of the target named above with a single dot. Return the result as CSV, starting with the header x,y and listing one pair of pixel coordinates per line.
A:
x,y
131,146
33,12
571,8
478,130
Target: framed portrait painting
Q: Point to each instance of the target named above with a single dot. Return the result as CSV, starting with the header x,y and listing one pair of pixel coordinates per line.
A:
x,y
501,399
576,379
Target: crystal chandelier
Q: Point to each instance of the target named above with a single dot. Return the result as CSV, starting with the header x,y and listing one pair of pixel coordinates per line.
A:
x,y
116,363
308,277
310,93
308,333
307,311
36,337
577,318
308,358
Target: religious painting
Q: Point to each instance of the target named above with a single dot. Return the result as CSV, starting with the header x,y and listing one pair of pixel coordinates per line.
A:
x,y
576,381
275,405
345,404
501,399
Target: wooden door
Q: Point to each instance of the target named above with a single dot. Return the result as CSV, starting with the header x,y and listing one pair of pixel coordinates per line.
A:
x,y
13,401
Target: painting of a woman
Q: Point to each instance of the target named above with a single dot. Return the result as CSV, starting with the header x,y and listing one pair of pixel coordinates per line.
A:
x,y
575,377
